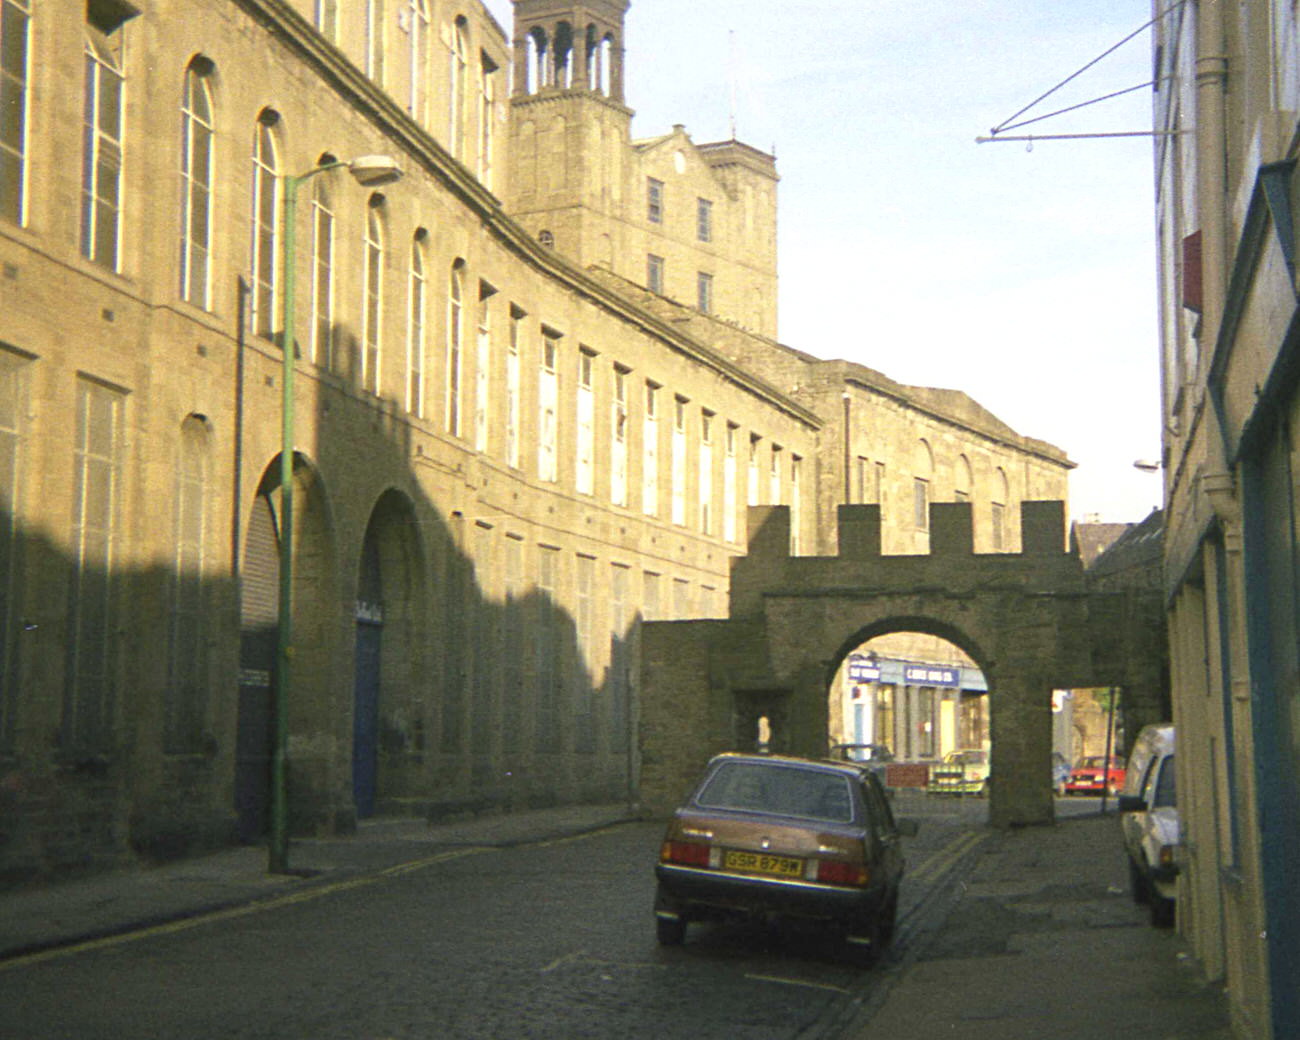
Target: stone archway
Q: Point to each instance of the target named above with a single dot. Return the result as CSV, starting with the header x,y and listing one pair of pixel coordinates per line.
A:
x,y
388,734
1028,619
315,653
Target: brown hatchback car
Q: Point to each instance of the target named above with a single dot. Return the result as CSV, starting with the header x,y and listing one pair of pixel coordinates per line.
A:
x,y
785,837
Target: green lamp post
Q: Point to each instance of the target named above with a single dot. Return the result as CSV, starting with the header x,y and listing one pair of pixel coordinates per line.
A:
x,y
369,171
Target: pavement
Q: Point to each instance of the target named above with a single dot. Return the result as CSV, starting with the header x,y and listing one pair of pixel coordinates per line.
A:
x,y
1041,940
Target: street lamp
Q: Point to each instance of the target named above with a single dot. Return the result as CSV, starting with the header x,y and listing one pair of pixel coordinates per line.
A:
x,y
370,171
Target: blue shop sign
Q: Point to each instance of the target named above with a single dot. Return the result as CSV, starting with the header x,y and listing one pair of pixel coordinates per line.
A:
x,y
863,669
931,675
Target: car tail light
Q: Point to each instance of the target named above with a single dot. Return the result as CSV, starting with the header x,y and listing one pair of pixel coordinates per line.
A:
x,y
684,853
839,872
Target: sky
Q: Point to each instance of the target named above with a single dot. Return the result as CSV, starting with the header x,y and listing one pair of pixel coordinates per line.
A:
x,y
1024,276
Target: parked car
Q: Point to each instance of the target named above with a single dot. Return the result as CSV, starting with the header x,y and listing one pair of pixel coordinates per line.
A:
x,y
875,757
1092,775
960,772
778,836
1149,822
1060,772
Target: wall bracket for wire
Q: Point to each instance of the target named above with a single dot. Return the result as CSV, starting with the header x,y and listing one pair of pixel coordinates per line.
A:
x,y
998,133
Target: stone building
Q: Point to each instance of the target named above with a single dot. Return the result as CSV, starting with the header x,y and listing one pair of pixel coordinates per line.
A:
x,y
1226,147
507,447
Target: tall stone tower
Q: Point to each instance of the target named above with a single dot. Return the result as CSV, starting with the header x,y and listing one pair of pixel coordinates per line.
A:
x,y
694,223
569,126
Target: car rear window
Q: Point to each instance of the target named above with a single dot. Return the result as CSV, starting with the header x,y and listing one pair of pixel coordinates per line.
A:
x,y
782,790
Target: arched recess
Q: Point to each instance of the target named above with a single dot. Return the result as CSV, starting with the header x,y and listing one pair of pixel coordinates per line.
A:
x,y
906,682
387,723
315,599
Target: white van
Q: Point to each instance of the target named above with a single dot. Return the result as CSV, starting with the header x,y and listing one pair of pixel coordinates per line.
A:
x,y
1149,820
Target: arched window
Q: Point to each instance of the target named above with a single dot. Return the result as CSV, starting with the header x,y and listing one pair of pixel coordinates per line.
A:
x,y
101,178
418,104
373,303
459,72
605,63
546,238
322,275
265,224
14,35
486,118
1001,490
186,703
962,480
562,76
535,64
455,339
417,288
924,471
196,184
591,50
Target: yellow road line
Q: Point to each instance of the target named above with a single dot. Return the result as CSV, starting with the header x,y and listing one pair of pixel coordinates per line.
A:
x,y
946,857
230,913
796,982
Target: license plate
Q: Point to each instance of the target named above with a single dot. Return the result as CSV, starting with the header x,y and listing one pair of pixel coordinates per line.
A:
x,y
762,863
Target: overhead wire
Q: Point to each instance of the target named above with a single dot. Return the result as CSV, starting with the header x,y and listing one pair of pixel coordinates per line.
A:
x,y
1009,124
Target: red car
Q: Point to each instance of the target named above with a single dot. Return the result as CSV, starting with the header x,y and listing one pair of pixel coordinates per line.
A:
x,y
1090,775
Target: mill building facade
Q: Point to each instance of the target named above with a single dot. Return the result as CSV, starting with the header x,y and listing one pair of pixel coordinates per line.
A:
x,y
536,385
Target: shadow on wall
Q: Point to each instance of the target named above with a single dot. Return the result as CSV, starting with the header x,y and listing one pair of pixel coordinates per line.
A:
x,y
434,671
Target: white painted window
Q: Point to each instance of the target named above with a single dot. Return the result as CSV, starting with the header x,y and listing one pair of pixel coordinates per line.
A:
x,y
101,179
650,453
13,375
654,273
265,225
513,389
706,472
455,341
654,194
458,73
584,475
548,405
322,277
774,477
416,325
796,503
704,292
325,13
185,699
487,114
196,183
729,484
417,28
91,639
678,461
618,439
375,40
752,495
15,32
372,314
483,368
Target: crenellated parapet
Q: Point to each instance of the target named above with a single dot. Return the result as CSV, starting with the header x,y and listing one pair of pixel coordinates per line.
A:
x,y
1028,619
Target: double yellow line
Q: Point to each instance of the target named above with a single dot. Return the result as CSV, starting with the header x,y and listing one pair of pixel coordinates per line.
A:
x,y
946,858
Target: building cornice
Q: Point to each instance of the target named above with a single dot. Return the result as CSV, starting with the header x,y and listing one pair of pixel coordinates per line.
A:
x,y
296,33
